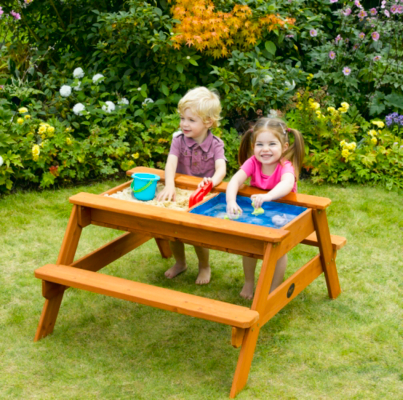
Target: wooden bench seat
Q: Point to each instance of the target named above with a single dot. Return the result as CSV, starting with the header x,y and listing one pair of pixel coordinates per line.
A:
x,y
166,299
338,242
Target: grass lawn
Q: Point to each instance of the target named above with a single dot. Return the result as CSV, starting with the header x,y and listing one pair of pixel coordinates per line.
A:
x,y
105,348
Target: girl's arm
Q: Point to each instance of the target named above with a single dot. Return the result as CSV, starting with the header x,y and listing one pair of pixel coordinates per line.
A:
x,y
219,174
170,169
232,189
280,190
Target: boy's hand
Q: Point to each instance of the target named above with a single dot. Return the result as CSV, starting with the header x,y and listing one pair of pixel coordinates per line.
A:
x,y
205,181
259,199
167,194
233,210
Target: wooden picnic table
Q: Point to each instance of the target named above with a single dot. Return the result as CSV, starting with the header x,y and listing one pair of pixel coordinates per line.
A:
x,y
143,222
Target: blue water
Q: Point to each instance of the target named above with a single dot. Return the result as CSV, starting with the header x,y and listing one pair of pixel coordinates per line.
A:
x,y
217,207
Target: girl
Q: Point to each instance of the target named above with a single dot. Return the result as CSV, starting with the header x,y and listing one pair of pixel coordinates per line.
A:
x,y
266,156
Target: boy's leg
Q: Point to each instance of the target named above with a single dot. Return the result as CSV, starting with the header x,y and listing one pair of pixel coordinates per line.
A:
x,y
249,266
178,251
279,272
203,278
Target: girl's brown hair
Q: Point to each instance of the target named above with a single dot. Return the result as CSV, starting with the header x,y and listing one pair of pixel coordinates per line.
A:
x,y
295,153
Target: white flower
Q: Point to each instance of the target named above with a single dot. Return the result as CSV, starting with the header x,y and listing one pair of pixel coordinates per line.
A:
x,y
290,86
78,108
97,77
188,57
148,100
78,73
108,106
1,161
123,101
78,87
65,91
267,78
139,88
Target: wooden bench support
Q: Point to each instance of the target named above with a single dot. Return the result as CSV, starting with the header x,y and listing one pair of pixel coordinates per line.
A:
x,y
237,335
166,299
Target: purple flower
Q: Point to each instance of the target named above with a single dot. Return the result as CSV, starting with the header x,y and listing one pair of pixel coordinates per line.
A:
x,y
338,37
383,4
289,36
399,9
347,12
375,36
387,13
373,11
334,1
15,15
346,71
362,14
332,55
313,32
361,35
393,9
357,4
376,58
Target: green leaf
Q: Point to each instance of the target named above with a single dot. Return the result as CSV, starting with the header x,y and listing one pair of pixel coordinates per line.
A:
x,y
394,100
179,67
193,62
165,90
75,124
270,47
139,112
158,11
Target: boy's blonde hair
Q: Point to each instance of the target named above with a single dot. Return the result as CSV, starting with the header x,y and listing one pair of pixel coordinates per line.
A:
x,y
204,103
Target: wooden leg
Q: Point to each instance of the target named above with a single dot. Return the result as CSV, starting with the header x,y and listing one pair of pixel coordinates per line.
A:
x,y
327,256
54,293
259,304
164,247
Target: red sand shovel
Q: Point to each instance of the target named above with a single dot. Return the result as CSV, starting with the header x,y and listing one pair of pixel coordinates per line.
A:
x,y
198,195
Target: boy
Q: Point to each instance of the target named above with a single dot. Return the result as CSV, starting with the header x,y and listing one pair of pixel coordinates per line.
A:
x,y
195,151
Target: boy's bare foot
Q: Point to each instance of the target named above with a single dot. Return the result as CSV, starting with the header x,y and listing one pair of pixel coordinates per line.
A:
x,y
247,291
175,270
204,276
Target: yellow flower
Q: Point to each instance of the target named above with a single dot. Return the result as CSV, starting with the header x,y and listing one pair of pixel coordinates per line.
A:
x,y
345,153
27,116
35,158
50,130
42,129
136,155
68,129
68,141
345,105
131,162
374,140
36,150
20,121
351,146
310,100
379,124
372,132
343,110
343,143
331,109
23,110
315,105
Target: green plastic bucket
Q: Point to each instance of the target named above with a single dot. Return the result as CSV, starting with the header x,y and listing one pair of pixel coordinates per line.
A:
x,y
144,186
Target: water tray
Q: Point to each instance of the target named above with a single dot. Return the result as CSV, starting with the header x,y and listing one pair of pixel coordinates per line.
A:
x,y
217,207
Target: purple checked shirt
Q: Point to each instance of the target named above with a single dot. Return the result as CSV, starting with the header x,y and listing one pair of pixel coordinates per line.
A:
x,y
197,159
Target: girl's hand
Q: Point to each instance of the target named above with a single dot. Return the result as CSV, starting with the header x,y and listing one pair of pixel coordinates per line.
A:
x,y
233,210
167,194
259,199
205,181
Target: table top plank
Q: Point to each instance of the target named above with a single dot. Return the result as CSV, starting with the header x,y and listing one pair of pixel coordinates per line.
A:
x,y
159,214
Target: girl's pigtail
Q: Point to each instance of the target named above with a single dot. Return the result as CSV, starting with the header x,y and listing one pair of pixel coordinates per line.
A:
x,y
296,152
245,149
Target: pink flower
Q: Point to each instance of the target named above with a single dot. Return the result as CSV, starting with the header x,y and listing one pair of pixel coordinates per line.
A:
x,y
357,4
356,46
376,58
346,71
334,1
393,9
362,14
1,11
347,12
387,13
375,36
332,55
15,15
289,36
361,35
400,9
338,37
313,32
373,11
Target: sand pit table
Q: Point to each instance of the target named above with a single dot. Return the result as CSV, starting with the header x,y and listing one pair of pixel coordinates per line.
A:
x,y
203,225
